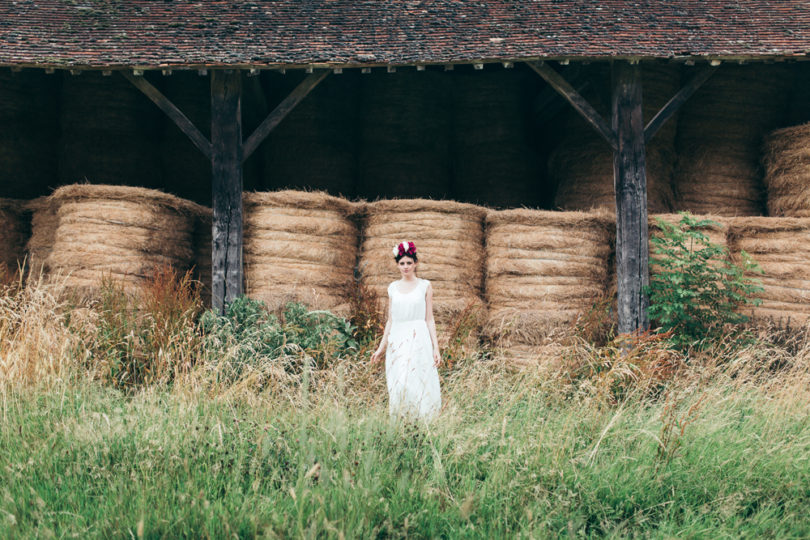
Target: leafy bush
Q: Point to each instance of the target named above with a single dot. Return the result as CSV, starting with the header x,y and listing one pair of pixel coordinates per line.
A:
x,y
248,335
695,290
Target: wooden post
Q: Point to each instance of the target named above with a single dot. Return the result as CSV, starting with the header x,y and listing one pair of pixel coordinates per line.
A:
x,y
226,168
630,183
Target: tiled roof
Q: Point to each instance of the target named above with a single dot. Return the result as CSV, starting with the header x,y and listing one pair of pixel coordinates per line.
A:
x,y
149,33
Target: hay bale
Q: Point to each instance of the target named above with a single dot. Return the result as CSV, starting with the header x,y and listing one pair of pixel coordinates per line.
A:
x,y
787,171
582,165
299,246
29,120
44,220
494,162
781,247
719,136
404,136
314,147
449,238
15,227
123,232
110,133
543,270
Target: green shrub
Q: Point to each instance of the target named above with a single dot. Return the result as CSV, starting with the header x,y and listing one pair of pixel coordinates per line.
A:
x,y
696,291
248,335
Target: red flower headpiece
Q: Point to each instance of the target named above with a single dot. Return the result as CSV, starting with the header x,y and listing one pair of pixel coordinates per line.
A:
x,y
404,249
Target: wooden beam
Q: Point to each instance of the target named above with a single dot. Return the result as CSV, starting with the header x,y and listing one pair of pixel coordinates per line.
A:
x,y
226,174
549,102
171,110
677,100
282,110
630,184
556,81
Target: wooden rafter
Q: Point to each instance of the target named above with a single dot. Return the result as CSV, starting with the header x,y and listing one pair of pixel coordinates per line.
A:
x,y
281,111
672,106
171,110
556,81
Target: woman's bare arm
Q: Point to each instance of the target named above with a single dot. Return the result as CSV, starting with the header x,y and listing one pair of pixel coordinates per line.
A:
x,y
431,324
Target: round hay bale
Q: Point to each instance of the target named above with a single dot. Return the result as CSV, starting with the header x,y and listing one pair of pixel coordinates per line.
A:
x,y
314,146
123,232
781,247
494,162
16,228
110,133
299,246
719,136
28,114
582,165
543,270
404,136
787,171
44,220
449,238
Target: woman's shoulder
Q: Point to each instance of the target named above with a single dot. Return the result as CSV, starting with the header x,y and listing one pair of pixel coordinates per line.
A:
x,y
391,287
425,283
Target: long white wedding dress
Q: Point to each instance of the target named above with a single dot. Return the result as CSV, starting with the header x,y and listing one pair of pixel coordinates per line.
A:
x,y
413,381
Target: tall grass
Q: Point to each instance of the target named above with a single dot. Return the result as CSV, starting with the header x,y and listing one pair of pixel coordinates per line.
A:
x,y
616,440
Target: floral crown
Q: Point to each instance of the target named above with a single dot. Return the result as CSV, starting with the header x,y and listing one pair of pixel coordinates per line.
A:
x,y
404,249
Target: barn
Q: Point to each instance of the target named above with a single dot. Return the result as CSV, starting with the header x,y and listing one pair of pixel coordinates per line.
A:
x,y
532,140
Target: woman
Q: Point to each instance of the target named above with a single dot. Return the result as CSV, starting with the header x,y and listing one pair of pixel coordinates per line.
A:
x,y
409,342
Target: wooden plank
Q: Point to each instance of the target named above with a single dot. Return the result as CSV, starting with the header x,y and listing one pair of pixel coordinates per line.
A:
x,y
677,100
630,181
282,110
556,81
226,169
171,110
549,102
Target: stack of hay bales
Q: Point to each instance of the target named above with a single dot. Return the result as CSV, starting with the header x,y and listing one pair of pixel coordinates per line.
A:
x,y
493,160
719,136
449,238
110,133
787,171
404,136
543,270
125,233
781,247
314,146
15,227
299,246
201,242
582,165
29,120
44,220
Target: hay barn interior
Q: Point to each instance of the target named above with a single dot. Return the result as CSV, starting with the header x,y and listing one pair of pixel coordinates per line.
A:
x,y
441,143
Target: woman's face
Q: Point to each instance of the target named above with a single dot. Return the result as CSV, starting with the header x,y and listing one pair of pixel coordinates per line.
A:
x,y
407,266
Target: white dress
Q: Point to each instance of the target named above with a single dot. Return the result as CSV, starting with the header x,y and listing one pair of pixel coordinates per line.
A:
x,y
413,380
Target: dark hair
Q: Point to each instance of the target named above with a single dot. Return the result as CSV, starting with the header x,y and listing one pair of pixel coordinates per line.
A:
x,y
411,255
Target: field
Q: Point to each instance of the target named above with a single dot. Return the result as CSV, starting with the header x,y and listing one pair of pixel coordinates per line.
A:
x,y
127,423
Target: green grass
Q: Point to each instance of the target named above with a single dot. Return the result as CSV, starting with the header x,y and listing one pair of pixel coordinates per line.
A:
x,y
516,459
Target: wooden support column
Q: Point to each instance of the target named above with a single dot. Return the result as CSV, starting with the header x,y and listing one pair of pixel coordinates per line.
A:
x,y
630,184
226,168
